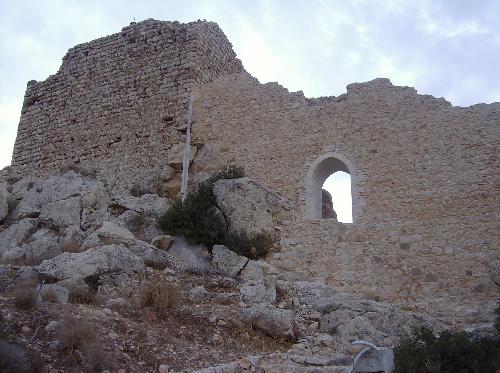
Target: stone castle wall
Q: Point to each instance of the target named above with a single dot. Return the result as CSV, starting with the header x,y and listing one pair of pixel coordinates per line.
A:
x,y
425,185
119,103
425,179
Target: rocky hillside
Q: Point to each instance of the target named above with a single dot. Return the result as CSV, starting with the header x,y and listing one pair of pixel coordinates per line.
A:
x,y
89,283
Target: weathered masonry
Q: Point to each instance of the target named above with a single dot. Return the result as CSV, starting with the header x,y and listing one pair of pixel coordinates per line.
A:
x,y
425,174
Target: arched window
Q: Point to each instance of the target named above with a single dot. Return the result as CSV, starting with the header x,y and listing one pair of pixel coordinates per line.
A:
x,y
334,173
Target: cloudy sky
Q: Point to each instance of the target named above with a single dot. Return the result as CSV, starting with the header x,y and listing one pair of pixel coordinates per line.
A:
x,y
447,48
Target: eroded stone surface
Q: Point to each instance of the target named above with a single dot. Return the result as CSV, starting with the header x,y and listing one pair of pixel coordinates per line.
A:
x,y
94,261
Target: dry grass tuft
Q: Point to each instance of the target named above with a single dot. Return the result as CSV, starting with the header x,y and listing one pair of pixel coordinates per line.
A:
x,y
80,345
159,294
25,296
70,247
75,334
83,296
15,358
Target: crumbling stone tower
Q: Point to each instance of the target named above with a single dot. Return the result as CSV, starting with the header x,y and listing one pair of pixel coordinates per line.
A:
x,y
119,103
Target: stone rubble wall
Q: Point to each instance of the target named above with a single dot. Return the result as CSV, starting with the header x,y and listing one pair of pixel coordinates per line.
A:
x,y
422,268
119,103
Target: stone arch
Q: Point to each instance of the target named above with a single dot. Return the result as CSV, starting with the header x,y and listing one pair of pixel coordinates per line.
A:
x,y
319,171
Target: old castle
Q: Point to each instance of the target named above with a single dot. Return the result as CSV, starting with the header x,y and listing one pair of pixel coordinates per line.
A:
x,y
425,180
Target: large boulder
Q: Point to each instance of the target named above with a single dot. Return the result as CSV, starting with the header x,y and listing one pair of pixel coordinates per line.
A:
x,y
32,253
272,321
152,256
62,213
4,204
142,226
191,257
109,233
226,261
63,200
147,204
16,234
249,206
351,317
96,261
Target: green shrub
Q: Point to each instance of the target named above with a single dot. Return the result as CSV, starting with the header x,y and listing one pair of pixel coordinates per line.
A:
x,y
200,222
456,352
227,172
195,218
252,247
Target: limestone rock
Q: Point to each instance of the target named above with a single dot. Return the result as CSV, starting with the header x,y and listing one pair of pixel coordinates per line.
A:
x,y
33,252
256,270
162,242
110,233
381,360
143,227
71,238
26,273
116,303
191,257
249,206
4,205
349,317
21,187
207,160
99,260
62,213
154,182
53,293
175,155
147,204
272,321
17,233
226,261
63,200
197,293
173,186
94,201
151,256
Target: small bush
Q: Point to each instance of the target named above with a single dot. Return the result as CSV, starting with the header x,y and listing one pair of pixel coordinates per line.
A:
x,y
25,296
82,296
195,218
252,247
425,352
75,334
227,172
159,294
200,222
14,358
